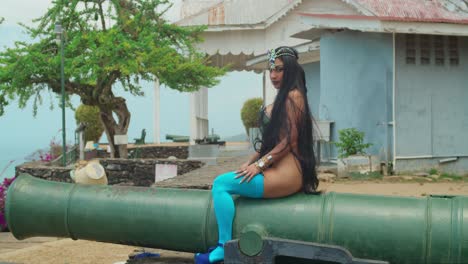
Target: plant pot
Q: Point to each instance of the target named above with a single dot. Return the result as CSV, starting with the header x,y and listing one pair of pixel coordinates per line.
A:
x,y
362,164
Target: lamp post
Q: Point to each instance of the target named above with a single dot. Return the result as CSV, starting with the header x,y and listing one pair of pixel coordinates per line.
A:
x,y
59,38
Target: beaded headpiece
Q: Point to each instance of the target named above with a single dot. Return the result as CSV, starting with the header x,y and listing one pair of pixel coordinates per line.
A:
x,y
283,51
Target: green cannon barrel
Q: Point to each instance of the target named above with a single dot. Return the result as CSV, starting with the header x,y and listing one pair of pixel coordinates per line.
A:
x,y
180,139
395,229
177,138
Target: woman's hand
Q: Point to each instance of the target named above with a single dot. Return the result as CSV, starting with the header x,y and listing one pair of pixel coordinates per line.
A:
x,y
248,173
243,167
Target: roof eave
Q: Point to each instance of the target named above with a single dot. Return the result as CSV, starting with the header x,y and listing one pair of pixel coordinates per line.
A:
x,y
384,25
219,28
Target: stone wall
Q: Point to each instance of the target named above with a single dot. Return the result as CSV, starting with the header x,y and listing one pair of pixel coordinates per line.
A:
x,y
43,171
154,152
140,172
131,172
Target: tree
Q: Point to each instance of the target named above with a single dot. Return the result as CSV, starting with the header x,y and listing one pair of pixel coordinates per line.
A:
x,y
107,42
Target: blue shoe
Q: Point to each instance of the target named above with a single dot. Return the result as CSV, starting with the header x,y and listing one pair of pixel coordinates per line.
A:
x,y
147,255
204,258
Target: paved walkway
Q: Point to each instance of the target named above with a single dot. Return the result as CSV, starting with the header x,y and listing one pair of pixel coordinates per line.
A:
x,y
203,178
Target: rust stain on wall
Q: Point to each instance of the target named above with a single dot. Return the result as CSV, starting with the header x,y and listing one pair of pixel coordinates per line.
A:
x,y
216,15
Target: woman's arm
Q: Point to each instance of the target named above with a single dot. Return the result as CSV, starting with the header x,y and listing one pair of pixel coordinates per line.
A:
x,y
253,158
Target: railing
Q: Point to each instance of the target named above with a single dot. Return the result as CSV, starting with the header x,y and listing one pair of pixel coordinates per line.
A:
x,y
71,155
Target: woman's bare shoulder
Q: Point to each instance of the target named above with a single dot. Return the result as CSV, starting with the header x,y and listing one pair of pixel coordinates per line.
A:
x,y
295,94
296,97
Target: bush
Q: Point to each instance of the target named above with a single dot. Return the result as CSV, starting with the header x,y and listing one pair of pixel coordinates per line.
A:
x,y
351,142
3,191
52,152
89,115
249,113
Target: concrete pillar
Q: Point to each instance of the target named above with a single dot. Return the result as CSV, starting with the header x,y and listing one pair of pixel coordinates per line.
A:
x,y
82,144
198,115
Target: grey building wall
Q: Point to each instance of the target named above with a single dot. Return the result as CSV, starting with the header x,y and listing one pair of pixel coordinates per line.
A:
x,y
312,72
356,86
431,109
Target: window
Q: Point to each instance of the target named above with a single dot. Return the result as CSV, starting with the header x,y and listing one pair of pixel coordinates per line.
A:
x,y
439,50
453,51
444,50
425,45
410,49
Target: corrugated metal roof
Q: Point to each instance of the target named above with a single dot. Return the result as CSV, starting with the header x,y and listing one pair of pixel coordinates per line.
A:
x,y
238,12
252,12
193,7
439,11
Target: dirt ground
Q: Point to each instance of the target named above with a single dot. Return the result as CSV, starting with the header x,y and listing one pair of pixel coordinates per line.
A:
x,y
414,189
82,252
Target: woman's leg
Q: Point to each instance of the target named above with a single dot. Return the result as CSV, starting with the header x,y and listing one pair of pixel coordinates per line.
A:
x,y
223,187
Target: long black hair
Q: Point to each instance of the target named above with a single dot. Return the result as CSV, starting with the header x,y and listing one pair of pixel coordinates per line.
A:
x,y
280,125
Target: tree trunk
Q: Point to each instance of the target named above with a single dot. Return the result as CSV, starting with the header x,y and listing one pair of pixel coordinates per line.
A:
x,y
112,128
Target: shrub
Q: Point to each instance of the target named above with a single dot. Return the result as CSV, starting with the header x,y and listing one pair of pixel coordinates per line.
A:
x,y
351,142
249,113
53,151
3,191
89,115
55,148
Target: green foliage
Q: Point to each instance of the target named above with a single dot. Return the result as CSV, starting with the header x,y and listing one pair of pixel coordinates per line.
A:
x,y
452,177
433,171
366,176
249,113
89,115
351,142
106,42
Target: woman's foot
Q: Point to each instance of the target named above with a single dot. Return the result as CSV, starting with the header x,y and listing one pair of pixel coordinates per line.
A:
x,y
214,255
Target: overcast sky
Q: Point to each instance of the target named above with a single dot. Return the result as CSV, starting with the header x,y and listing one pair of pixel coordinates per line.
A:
x,y
24,11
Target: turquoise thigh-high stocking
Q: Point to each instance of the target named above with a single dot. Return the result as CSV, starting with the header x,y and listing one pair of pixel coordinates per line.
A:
x,y
223,187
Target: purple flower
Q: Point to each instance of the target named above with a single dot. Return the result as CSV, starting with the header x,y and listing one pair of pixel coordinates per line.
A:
x,y
3,191
3,223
